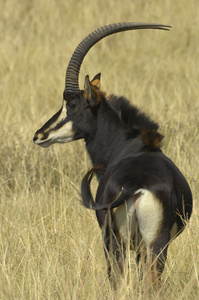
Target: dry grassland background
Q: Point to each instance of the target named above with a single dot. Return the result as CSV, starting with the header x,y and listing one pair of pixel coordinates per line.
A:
x,y
50,246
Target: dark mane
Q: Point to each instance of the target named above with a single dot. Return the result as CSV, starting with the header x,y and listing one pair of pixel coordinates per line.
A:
x,y
139,123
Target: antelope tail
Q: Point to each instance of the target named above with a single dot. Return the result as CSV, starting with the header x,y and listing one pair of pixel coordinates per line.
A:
x,y
116,200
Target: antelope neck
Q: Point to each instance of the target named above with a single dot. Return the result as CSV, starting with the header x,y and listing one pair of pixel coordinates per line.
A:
x,y
106,145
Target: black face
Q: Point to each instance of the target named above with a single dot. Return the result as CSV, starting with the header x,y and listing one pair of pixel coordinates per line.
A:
x,y
82,116
75,120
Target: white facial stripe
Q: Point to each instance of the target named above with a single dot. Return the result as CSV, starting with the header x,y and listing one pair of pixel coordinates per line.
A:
x,y
62,135
58,131
62,116
64,110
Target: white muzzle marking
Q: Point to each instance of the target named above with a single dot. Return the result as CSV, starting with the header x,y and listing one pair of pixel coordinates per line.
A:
x,y
64,134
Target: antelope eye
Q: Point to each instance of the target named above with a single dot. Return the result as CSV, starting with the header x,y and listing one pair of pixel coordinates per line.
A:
x,y
71,105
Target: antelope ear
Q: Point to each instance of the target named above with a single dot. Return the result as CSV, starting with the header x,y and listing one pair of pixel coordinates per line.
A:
x,y
96,81
91,92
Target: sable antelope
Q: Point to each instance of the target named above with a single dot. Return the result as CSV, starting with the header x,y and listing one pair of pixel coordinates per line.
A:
x,y
142,195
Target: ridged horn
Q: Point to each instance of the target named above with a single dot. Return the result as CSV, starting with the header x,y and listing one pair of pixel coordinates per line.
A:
x,y
72,72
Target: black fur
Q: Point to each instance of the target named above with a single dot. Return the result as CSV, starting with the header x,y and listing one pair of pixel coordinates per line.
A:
x,y
125,148
129,163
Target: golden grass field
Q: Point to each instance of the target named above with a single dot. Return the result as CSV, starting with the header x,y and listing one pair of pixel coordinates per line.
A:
x,y
51,246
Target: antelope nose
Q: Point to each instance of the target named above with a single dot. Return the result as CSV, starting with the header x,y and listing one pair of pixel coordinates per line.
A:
x,y
35,137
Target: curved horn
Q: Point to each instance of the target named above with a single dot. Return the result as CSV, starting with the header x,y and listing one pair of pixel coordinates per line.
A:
x,y
72,72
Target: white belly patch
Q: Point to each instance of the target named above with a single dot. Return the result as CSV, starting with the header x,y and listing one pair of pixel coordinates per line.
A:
x,y
148,212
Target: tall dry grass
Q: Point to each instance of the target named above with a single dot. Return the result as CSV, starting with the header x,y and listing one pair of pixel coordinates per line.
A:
x,y
51,247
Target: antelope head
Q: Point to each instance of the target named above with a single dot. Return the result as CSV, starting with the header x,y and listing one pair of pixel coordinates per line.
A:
x,y
78,112
72,121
